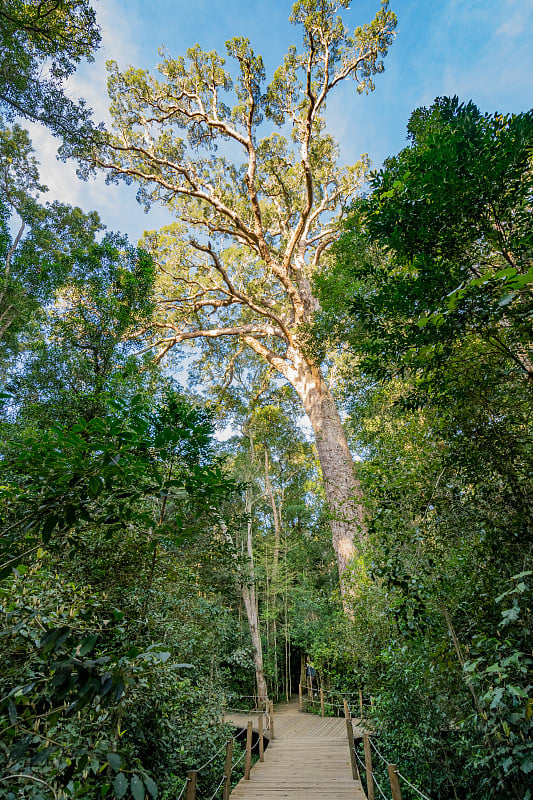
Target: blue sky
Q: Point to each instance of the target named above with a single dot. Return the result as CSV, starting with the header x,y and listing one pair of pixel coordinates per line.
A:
x,y
478,49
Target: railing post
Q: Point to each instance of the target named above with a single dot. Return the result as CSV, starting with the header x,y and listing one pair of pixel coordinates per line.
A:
x,y
248,759
190,794
261,742
368,765
346,710
361,704
300,693
271,720
351,745
394,782
322,701
226,790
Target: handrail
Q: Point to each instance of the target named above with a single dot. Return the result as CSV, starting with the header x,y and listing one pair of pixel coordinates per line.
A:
x,y
189,788
394,773
266,716
392,769
419,793
220,749
183,789
320,698
218,788
246,711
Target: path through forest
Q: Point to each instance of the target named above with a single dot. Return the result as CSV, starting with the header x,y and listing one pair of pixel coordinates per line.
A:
x,y
308,758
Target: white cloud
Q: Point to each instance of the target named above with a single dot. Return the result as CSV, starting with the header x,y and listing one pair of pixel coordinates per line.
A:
x,y
513,27
60,178
118,44
116,204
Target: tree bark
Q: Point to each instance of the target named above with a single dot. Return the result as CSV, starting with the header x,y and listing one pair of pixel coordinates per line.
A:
x,y
342,488
276,517
250,604
252,612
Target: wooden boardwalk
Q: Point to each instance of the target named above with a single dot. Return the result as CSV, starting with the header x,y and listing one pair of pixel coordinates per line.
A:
x,y
308,759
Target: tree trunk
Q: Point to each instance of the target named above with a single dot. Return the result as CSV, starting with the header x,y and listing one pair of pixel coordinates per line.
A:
x,y
276,517
342,488
252,610
250,604
288,687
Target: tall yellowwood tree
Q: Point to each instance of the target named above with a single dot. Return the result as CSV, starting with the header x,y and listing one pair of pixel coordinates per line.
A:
x,y
258,195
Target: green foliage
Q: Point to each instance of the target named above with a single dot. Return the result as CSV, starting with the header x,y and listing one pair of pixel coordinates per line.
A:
x,y
113,501
500,668
105,472
450,217
68,667
171,727
41,46
447,528
80,353
127,549
49,238
427,302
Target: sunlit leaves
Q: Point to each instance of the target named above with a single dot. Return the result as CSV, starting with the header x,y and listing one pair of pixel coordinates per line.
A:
x,y
264,200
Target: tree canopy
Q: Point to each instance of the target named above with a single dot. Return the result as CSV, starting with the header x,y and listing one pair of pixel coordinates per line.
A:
x,y
238,263
42,43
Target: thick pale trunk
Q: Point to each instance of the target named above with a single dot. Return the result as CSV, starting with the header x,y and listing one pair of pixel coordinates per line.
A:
x,y
342,489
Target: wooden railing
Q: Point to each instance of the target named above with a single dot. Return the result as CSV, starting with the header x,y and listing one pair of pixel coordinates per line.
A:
x,y
336,700
361,762
394,774
307,695
265,723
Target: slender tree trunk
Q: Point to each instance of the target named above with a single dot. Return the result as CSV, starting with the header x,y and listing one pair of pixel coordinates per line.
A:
x,y
249,597
287,638
267,600
250,605
342,488
276,517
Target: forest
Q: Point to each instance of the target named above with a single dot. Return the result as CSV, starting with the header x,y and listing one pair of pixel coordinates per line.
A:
x,y
363,338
